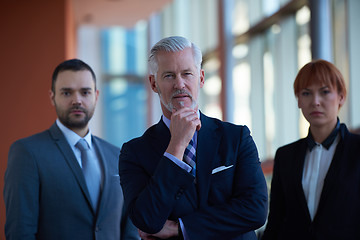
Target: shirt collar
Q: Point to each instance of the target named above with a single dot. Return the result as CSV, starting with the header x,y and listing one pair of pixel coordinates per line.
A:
x,y
166,121
327,142
71,136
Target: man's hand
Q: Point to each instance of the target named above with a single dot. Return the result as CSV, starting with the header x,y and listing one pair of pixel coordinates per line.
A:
x,y
170,229
184,123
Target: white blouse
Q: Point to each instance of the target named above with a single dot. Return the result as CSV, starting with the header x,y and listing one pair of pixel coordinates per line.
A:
x,y
316,166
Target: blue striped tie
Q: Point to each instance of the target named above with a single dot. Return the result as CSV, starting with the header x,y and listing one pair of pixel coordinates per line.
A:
x,y
190,157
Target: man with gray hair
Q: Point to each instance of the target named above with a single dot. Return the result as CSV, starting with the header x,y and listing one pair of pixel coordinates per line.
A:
x,y
190,176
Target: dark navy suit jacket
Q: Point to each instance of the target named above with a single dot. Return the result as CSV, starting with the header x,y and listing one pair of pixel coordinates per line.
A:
x,y
46,196
338,213
229,204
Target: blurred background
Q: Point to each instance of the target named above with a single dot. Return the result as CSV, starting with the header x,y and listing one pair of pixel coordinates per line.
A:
x,y
252,51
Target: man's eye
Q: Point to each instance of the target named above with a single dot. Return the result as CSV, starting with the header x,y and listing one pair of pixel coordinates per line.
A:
x,y
188,73
66,93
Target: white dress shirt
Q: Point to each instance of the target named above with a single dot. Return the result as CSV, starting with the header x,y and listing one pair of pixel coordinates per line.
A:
x,y
72,138
316,166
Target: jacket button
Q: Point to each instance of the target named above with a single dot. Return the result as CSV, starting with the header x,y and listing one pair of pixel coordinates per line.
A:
x,y
178,194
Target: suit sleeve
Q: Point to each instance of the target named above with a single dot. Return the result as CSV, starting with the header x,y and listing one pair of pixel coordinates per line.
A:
x,y
245,211
128,230
150,199
277,203
21,194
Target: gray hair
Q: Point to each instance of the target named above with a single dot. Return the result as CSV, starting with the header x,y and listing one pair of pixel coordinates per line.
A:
x,y
173,44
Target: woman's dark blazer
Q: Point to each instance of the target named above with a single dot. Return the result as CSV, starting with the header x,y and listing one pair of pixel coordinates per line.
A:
x,y
338,214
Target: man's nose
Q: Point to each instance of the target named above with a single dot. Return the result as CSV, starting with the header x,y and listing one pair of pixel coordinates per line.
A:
x,y
76,99
179,82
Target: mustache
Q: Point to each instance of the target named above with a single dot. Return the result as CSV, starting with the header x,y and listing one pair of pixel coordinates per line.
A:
x,y
77,108
181,91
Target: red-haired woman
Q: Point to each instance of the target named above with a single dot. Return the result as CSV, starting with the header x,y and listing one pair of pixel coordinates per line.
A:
x,y
315,190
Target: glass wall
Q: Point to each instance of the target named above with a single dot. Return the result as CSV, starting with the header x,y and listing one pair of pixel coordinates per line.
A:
x,y
196,20
340,42
270,37
209,99
269,41
124,69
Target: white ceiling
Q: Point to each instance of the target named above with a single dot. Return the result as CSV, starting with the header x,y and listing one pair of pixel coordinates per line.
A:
x,y
115,12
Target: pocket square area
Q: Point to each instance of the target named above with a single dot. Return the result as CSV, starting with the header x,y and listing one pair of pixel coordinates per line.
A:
x,y
221,168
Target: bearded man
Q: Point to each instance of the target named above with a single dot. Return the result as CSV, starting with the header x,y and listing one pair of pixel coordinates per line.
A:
x,y
190,176
63,183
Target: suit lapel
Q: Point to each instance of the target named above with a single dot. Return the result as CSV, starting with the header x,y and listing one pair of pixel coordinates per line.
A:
x,y
330,179
207,147
106,177
298,172
161,137
334,169
160,140
70,159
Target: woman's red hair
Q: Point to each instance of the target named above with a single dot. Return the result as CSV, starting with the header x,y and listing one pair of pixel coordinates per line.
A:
x,y
320,72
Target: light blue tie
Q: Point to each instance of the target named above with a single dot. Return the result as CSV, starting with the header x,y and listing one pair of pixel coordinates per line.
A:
x,y
91,170
190,157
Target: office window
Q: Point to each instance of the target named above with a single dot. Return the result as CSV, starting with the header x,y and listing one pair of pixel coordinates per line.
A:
x,y
209,100
304,54
124,69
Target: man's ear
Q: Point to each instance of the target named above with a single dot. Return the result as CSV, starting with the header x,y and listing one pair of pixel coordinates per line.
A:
x,y
96,95
153,83
202,78
52,97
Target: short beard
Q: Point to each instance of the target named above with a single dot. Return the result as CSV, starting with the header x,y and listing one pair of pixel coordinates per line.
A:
x,y
170,106
70,123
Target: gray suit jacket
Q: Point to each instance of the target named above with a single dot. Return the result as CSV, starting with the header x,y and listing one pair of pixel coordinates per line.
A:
x,y
46,196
